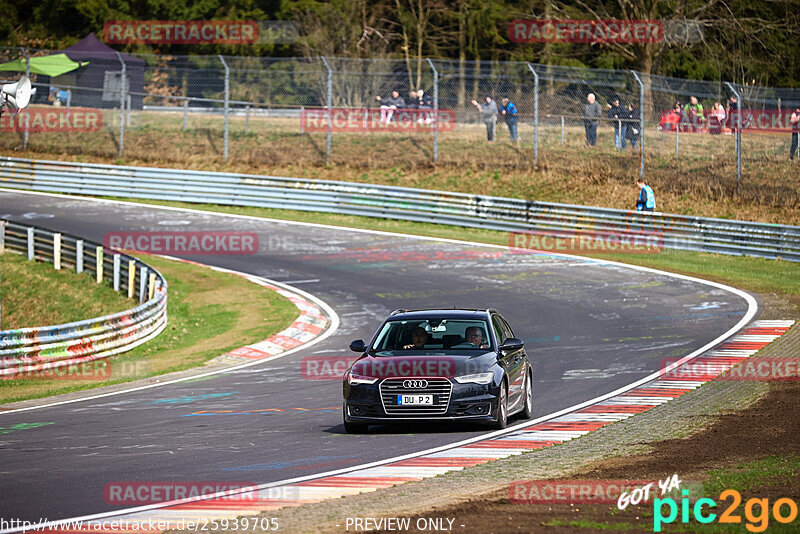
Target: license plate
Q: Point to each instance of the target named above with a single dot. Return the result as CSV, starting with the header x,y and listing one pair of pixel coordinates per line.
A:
x,y
415,400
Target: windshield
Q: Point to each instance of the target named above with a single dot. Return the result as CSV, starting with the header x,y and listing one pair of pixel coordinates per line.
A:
x,y
431,336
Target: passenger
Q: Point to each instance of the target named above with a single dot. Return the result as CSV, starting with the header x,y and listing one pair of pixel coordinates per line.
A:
x,y
418,339
475,337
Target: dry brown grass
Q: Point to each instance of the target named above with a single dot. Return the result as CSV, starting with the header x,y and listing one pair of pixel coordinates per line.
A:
x,y
701,180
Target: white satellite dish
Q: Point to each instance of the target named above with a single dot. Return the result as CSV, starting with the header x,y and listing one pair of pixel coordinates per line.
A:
x,y
17,94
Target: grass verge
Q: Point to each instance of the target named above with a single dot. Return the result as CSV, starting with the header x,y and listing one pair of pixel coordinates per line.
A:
x,y
210,313
35,294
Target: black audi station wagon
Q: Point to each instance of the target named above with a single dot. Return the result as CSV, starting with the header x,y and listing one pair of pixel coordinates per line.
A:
x,y
457,365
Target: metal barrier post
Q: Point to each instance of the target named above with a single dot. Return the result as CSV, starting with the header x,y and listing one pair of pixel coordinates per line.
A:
x,y
2,236
435,111
641,122
79,256
227,100
737,136
69,100
57,252
142,283
185,114
562,129
98,255
122,85
536,116
128,114
116,272
28,75
328,106
246,119
151,286
131,277
30,244
677,137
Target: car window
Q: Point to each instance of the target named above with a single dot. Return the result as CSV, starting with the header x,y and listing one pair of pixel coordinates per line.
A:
x,y
433,335
499,332
506,328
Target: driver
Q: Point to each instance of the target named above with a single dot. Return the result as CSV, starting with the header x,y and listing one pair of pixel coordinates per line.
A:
x,y
475,337
418,338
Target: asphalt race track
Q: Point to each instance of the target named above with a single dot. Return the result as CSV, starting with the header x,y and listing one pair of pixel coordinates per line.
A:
x,y
589,327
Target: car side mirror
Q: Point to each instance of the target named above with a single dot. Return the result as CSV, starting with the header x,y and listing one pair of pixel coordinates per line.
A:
x,y
511,344
358,346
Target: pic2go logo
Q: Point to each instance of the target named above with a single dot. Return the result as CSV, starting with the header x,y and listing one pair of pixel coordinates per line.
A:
x,y
756,511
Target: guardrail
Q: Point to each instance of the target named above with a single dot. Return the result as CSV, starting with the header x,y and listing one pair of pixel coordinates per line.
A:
x,y
33,350
506,214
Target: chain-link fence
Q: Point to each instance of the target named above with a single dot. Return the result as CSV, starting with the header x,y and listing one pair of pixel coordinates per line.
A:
x,y
417,112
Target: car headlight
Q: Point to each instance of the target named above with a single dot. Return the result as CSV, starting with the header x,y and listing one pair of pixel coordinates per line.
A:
x,y
477,378
356,379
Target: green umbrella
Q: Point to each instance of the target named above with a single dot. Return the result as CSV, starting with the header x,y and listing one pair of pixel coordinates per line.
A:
x,y
54,65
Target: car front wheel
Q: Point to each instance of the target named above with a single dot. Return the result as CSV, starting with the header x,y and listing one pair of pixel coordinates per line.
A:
x,y
527,411
502,408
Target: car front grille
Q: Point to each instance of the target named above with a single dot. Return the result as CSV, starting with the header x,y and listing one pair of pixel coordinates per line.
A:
x,y
440,388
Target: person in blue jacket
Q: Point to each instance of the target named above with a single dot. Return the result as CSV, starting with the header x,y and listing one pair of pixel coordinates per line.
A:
x,y
509,112
646,200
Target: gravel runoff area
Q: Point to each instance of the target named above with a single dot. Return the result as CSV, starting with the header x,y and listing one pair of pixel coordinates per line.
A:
x,y
764,415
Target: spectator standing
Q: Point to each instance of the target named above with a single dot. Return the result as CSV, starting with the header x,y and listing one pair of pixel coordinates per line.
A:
x,y
646,200
632,130
591,113
389,104
794,120
694,113
488,111
616,114
733,119
509,112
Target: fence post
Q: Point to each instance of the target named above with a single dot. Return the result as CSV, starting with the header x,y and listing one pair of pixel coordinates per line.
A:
x,y
435,111
142,283
98,263
2,236
641,122
116,272
536,115
562,129
328,106
131,277
28,75
31,238
227,100
246,119
69,100
737,136
677,137
122,85
128,114
185,114
79,256
57,252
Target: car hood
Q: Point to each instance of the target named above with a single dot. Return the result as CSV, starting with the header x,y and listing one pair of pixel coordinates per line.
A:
x,y
444,365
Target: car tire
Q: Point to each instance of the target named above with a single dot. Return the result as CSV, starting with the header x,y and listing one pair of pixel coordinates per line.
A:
x,y
502,408
527,407
355,428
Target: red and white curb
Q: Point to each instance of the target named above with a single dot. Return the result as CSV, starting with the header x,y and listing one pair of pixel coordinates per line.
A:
x,y
558,429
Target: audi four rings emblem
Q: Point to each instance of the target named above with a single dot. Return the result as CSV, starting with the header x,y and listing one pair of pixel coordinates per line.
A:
x,y
415,384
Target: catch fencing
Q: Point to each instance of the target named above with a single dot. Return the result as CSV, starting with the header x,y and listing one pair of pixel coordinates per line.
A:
x,y
252,109
401,203
31,351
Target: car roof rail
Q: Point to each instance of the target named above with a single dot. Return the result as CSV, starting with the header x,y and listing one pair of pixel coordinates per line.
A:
x,y
399,310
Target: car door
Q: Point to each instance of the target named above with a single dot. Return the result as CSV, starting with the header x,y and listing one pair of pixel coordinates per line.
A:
x,y
515,369
508,362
